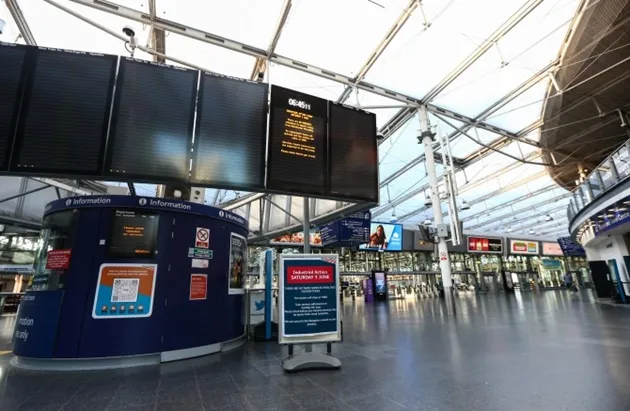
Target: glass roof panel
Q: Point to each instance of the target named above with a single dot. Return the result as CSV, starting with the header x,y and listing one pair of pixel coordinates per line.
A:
x,y
304,82
208,56
336,35
520,54
522,111
419,57
77,34
249,22
11,32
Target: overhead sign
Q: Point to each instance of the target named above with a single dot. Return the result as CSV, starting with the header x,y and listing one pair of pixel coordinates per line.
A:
x,y
552,249
570,248
198,286
297,239
485,245
202,238
309,298
124,291
352,230
527,247
58,259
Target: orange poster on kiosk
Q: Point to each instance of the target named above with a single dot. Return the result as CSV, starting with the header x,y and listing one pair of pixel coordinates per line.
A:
x,y
198,286
124,291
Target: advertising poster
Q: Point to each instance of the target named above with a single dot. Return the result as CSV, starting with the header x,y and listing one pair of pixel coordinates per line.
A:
x,y
297,239
238,264
36,324
527,247
485,245
124,291
380,284
309,298
385,237
58,259
198,286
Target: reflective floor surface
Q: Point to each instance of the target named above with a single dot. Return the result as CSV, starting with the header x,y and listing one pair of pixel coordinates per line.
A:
x,y
550,351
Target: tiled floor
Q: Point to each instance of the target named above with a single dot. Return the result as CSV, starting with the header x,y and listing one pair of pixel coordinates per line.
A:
x,y
550,351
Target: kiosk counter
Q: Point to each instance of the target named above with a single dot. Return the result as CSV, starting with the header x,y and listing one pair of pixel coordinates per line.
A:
x,y
123,280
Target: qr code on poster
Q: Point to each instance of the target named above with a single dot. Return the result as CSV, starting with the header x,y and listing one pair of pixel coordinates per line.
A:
x,y
125,290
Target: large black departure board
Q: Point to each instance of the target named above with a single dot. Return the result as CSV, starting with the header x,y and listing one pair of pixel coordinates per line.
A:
x,y
230,135
152,122
65,114
133,234
353,154
12,59
297,150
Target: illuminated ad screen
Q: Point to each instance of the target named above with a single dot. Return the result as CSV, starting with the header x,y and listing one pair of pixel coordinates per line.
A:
x,y
353,154
384,237
297,156
134,234
485,245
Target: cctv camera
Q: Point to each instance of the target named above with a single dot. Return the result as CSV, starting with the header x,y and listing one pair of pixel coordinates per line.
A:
x,y
128,31
428,202
2,24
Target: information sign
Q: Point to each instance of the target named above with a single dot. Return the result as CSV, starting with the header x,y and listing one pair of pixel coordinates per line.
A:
x,y
202,238
309,298
124,291
203,253
198,286
36,324
58,259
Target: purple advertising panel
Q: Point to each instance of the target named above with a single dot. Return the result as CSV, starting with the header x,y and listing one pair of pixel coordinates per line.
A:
x,y
368,290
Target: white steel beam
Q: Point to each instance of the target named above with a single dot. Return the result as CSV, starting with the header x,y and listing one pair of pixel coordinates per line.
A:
x,y
483,48
261,63
391,33
213,39
20,21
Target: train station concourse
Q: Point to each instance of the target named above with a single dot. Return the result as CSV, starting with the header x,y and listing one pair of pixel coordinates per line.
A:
x,y
314,205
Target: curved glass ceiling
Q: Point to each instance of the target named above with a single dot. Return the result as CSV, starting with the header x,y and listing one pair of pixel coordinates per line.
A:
x,y
489,61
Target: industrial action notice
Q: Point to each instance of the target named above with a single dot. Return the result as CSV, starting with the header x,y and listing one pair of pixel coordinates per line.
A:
x,y
309,297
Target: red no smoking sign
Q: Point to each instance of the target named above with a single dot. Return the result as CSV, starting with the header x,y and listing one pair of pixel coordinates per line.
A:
x,y
202,238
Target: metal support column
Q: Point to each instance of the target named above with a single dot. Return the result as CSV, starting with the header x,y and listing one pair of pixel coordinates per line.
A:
x,y
306,231
426,137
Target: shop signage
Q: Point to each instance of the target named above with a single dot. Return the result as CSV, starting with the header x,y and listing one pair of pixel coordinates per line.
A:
x,y
200,253
124,291
527,247
198,286
309,298
58,259
485,245
552,264
552,249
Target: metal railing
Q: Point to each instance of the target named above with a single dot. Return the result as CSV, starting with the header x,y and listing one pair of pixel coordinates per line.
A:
x,y
608,174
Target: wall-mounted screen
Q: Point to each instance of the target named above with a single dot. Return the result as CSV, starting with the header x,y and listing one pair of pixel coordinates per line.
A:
x,y
12,59
384,237
297,149
485,245
65,114
353,154
152,122
133,234
231,133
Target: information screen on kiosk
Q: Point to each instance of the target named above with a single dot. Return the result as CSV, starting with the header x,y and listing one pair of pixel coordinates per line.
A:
x,y
134,234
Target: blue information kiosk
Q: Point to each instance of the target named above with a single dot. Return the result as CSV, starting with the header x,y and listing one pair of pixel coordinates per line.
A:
x,y
122,280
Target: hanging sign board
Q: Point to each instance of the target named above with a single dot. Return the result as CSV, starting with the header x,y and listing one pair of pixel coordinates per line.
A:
x,y
309,299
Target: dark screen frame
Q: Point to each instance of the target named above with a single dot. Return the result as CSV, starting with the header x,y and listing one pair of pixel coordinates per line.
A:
x,y
329,184
309,189
27,72
263,153
125,255
109,146
33,56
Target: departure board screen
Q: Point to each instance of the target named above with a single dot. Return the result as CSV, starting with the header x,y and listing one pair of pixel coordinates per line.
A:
x,y
353,154
297,156
12,59
65,115
152,122
134,234
230,136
